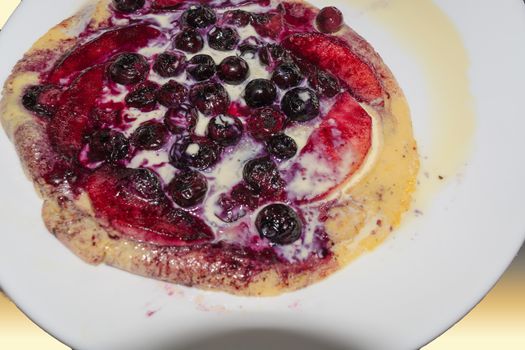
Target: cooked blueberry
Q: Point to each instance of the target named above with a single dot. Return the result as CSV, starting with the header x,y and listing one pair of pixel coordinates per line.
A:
x,y
300,104
188,188
262,175
42,99
150,136
182,119
200,16
233,70
234,205
279,224
196,152
169,64
201,67
128,6
248,51
273,53
329,20
282,146
265,122
237,18
128,68
260,93
189,40
210,98
287,75
324,83
107,145
172,94
143,95
223,38
225,130
143,183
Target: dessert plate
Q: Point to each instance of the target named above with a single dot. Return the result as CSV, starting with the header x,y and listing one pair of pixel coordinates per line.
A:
x,y
465,227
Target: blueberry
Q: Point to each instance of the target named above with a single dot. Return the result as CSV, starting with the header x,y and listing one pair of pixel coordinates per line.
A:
x,y
287,75
143,96
280,224
196,152
225,130
128,6
128,68
233,70
172,94
300,104
150,136
223,38
200,16
143,183
262,175
260,93
237,18
248,51
107,145
210,98
273,53
188,188
42,99
265,122
282,146
169,64
189,40
201,67
324,83
329,20
182,119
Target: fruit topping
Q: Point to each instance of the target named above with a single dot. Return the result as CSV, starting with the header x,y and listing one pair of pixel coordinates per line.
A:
x,y
181,120
236,204
297,14
287,75
167,4
324,83
248,51
300,104
201,67
282,146
223,38
189,40
233,70
272,54
169,64
172,94
143,96
210,98
199,16
150,136
196,152
329,20
260,93
42,99
268,25
262,175
188,188
107,145
280,224
225,130
128,68
237,18
265,122
128,6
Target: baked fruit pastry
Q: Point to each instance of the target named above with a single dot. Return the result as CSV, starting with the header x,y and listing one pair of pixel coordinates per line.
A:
x,y
253,147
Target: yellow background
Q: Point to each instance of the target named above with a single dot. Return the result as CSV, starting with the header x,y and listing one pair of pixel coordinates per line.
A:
x,y
498,322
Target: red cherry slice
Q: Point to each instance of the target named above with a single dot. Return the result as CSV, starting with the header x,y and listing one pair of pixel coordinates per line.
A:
x,y
102,48
333,153
145,215
334,55
268,25
167,4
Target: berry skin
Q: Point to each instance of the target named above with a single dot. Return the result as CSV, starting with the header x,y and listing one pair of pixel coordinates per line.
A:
x,y
143,96
196,152
233,70
260,93
223,38
287,75
144,184
42,99
324,83
107,145
300,104
128,6
329,20
225,130
182,119
262,175
282,146
273,53
172,94
189,40
199,17
237,18
169,64
279,224
201,67
210,98
150,136
128,69
265,122
188,188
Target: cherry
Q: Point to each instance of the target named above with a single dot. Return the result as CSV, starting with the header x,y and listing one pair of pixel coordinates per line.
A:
x,y
172,94
282,146
182,119
210,98
265,122
150,136
42,99
329,20
201,67
280,224
128,68
189,40
262,175
200,16
143,96
196,152
233,70
188,188
300,104
325,83
225,130
287,75
169,64
260,93
237,18
107,145
223,38
128,6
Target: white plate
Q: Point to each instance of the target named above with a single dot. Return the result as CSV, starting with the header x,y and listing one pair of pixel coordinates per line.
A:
x,y
416,285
